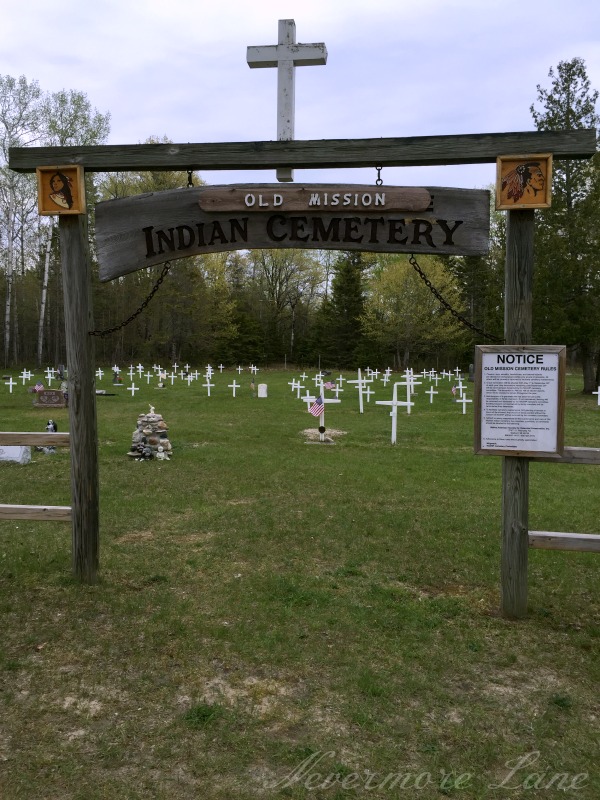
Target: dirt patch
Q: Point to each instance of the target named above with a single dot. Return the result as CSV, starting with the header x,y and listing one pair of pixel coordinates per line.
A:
x,y
312,434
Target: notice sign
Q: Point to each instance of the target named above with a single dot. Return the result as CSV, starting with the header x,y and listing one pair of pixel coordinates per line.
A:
x,y
519,405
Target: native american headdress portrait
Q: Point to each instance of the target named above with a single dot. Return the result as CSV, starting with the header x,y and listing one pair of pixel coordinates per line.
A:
x,y
524,177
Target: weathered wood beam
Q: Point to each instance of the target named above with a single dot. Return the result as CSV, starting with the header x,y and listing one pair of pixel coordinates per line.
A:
x,y
573,455
550,540
518,314
37,513
27,439
85,491
415,151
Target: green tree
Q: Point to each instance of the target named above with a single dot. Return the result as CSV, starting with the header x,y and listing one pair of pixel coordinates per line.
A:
x,y
403,317
566,286
339,338
20,125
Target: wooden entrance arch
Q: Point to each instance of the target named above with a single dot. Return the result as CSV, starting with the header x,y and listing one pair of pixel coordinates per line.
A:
x,y
316,154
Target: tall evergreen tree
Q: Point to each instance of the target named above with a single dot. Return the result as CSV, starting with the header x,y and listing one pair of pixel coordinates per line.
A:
x,y
340,326
566,285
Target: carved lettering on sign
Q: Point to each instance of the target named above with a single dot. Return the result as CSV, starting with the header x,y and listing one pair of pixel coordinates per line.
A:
x,y
305,198
137,232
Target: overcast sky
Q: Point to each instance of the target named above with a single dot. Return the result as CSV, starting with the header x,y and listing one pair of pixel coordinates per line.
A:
x,y
395,68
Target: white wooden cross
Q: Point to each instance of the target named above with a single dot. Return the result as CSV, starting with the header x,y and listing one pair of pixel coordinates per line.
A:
x,y
130,372
189,379
175,367
208,385
99,373
116,369
133,389
368,393
221,367
304,376
239,370
50,373
360,385
10,383
233,386
325,400
286,55
148,376
340,380
172,377
464,402
25,376
431,391
598,393
394,403
253,369
140,369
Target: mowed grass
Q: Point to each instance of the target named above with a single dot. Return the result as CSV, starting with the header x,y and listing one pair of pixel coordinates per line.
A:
x,y
282,619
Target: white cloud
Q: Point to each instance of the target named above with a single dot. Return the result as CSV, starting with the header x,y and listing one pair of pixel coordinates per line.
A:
x,y
395,68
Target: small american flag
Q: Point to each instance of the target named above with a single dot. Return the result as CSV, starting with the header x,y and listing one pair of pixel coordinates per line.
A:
x,y
39,387
329,385
317,408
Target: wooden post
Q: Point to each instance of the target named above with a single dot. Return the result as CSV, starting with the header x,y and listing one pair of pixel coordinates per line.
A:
x,y
82,396
515,471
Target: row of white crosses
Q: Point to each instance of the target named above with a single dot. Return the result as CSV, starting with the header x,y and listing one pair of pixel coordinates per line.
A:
x,y
184,374
316,404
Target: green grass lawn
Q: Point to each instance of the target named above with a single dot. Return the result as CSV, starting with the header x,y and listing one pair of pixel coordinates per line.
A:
x,y
277,619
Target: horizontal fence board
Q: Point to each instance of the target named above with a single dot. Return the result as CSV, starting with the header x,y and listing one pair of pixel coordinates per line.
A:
x,y
45,438
573,455
479,148
551,540
47,513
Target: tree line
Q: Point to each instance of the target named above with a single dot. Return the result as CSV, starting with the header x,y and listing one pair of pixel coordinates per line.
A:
x,y
343,309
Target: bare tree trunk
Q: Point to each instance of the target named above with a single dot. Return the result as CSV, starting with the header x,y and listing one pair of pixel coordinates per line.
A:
x,y
9,277
42,319
589,357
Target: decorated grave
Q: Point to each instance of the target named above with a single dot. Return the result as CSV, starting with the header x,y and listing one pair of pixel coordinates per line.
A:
x,y
150,439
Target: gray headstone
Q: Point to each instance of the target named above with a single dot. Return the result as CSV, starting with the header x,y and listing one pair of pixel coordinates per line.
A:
x,y
22,455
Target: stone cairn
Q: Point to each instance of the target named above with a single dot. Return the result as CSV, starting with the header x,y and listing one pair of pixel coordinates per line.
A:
x,y
150,439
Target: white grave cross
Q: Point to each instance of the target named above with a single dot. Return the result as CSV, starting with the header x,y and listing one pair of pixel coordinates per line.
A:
x,y
463,400
324,400
286,55
394,403
598,393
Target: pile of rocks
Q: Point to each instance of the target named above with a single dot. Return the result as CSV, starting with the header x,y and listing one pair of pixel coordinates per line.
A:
x,y
150,438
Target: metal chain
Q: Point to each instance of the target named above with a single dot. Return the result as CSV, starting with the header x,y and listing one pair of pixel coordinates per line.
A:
x,y
135,314
413,262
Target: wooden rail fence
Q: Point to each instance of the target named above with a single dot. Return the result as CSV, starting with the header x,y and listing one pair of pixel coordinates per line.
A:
x,y
556,540
53,513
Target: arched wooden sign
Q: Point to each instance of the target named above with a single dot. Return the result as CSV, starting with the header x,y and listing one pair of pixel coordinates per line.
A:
x,y
137,232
